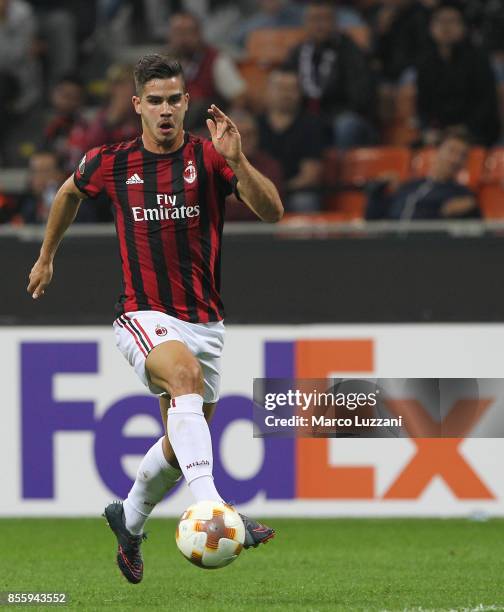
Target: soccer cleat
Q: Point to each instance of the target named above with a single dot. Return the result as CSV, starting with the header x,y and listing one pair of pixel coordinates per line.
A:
x,y
256,533
129,556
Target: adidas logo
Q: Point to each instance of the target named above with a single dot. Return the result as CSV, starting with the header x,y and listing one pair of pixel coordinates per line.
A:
x,y
134,180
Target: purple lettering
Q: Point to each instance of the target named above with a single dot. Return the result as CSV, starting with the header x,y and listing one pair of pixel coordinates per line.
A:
x,y
111,444
42,416
276,476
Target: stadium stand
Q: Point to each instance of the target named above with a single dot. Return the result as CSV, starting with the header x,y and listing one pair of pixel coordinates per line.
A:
x,y
470,176
270,47
347,173
491,191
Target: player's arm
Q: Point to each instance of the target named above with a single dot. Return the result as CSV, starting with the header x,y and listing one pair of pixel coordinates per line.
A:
x,y
63,210
256,191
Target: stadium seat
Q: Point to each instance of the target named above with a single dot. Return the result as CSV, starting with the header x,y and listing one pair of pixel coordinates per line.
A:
x,y
493,168
358,166
255,76
331,164
349,204
345,173
470,175
270,47
491,192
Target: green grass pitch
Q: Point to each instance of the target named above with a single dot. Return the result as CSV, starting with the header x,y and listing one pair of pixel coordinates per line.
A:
x,y
311,565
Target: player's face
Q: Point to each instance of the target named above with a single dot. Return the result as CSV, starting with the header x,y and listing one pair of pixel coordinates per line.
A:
x,y
162,106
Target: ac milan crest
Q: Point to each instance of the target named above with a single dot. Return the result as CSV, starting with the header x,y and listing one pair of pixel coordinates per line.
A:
x,y
190,173
160,330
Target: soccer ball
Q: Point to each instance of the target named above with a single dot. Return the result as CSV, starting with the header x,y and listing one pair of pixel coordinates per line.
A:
x,y
210,534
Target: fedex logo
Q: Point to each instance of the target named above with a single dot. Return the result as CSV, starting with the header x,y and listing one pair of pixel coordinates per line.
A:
x,y
291,468
317,479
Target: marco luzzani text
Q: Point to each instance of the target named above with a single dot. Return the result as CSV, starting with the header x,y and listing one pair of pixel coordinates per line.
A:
x,y
317,404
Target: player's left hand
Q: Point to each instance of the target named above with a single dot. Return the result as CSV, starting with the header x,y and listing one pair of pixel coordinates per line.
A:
x,y
225,135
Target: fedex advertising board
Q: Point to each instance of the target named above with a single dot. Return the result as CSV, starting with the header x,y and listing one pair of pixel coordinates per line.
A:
x,y
76,421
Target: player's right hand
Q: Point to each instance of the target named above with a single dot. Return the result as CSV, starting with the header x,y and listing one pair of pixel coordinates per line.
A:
x,y
40,277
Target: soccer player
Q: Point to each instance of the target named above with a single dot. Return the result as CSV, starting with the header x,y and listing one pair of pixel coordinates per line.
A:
x,y
167,188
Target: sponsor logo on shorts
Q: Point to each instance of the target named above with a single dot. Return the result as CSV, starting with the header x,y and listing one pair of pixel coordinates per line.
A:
x,y
160,330
197,463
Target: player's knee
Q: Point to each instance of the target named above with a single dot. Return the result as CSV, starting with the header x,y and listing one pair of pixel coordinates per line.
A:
x,y
187,378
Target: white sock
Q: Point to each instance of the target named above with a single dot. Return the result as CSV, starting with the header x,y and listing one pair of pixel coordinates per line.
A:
x,y
190,439
155,477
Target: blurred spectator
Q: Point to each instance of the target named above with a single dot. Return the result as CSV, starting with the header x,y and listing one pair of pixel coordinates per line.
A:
x,y
210,75
295,138
45,177
456,83
265,163
17,60
269,14
436,196
400,29
58,34
65,120
335,76
112,29
117,121
348,14
8,206
9,88
219,18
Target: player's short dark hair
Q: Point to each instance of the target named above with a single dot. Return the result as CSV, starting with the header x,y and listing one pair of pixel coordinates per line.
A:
x,y
156,66
458,132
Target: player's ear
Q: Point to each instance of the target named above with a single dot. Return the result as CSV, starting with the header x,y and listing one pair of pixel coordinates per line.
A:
x,y
136,105
186,98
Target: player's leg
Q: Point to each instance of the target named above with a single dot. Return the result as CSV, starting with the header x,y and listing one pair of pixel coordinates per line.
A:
x,y
135,334
157,474
256,533
172,367
164,405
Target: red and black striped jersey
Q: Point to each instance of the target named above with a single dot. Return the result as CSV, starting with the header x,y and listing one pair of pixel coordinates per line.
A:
x,y
169,212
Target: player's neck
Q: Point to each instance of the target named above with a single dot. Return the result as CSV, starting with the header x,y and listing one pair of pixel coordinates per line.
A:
x,y
153,146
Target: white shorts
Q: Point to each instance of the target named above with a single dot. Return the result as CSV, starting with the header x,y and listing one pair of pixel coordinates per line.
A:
x,y
137,333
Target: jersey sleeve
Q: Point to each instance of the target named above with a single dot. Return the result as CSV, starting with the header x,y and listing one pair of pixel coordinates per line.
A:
x,y
226,178
89,177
